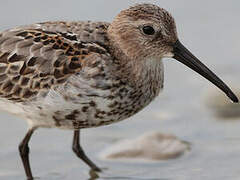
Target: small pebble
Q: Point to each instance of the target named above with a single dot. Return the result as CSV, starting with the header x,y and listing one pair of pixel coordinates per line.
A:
x,y
151,146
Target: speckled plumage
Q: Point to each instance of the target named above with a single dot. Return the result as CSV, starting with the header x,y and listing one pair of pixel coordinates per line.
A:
x,y
67,75
75,75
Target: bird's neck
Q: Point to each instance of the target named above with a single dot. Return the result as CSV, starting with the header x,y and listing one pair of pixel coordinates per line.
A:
x,y
139,72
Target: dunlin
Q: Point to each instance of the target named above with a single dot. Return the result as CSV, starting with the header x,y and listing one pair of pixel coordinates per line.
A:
x,y
74,75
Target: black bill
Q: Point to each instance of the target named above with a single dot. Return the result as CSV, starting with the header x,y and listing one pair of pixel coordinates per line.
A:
x,y
186,57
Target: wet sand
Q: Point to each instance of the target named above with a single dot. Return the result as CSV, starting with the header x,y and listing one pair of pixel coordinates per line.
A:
x,y
210,29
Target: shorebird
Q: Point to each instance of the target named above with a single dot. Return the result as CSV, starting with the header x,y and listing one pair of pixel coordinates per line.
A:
x,y
74,75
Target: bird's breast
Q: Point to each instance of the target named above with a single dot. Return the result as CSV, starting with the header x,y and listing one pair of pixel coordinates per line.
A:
x,y
84,102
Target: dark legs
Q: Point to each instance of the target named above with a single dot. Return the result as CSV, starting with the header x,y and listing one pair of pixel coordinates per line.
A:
x,y
77,149
24,152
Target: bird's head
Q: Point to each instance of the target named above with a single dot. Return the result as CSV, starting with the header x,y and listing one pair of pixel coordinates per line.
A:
x,y
145,31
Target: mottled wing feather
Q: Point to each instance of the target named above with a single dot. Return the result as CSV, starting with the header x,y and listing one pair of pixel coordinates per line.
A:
x,y
38,57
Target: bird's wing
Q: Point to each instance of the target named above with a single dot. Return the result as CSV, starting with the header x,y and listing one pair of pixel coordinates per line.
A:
x,y
38,57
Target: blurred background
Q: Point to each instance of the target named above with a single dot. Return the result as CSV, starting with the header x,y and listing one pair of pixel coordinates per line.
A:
x,y
189,107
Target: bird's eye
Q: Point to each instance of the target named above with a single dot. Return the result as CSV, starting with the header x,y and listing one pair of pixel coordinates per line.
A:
x,y
148,30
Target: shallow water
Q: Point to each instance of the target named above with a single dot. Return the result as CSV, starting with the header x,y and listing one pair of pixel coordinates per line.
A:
x,y
211,30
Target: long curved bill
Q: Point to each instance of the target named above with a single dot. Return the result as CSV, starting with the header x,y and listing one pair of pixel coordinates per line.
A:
x,y
186,57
